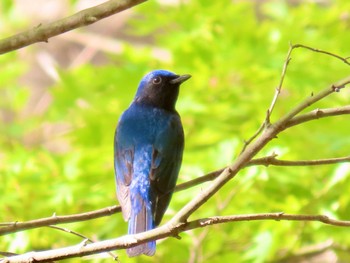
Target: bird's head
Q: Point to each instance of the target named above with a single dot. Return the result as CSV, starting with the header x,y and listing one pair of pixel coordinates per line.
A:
x,y
160,88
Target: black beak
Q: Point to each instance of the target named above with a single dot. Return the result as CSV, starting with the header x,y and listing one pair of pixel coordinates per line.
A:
x,y
180,79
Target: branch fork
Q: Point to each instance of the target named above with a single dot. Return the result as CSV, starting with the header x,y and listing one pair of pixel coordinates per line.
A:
x,y
266,132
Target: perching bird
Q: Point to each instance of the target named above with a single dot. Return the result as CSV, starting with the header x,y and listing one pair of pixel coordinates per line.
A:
x,y
148,146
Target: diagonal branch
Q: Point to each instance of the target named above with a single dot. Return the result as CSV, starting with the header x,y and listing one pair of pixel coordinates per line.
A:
x,y
43,32
269,134
279,87
280,84
274,99
179,222
12,227
161,232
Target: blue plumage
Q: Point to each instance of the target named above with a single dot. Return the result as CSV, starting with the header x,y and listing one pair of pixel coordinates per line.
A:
x,y
148,148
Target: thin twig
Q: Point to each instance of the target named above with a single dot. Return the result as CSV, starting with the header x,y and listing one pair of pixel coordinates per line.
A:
x,y
280,84
43,32
115,258
266,161
270,133
179,222
271,160
274,100
344,59
161,232
202,179
279,87
11,227
279,216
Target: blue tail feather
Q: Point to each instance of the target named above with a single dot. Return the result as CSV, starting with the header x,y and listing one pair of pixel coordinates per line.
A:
x,y
141,222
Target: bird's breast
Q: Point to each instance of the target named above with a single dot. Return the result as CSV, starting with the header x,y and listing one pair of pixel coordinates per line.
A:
x,y
144,124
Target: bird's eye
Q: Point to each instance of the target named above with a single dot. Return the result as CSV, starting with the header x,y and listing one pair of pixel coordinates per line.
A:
x,y
156,80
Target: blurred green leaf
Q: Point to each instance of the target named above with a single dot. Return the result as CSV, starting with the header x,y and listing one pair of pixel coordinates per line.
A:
x,y
60,160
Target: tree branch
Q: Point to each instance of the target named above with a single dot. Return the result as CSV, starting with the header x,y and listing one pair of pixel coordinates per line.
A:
x,y
179,222
345,60
86,239
280,84
266,161
274,99
279,87
271,160
318,114
279,216
161,232
12,227
43,32
269,134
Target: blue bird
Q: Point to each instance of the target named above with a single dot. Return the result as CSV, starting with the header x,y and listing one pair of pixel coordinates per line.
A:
x,y
148,147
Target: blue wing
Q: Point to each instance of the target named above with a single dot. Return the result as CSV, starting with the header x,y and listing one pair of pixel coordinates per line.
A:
x,y
166,162
148,154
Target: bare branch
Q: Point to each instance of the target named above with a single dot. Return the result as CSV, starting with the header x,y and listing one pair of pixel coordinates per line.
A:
x,y
271,160
161,232
274,100
202,179
279,216
12,227
179,222
345,60
86,239
71,232
43,32
269,134
279,87
266,161
317,114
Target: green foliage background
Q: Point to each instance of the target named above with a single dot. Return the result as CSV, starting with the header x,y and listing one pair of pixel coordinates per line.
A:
x,y
235,51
